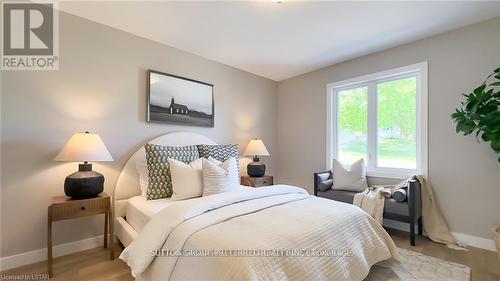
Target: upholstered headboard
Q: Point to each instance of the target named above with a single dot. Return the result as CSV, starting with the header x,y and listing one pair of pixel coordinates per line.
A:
x,y
127,185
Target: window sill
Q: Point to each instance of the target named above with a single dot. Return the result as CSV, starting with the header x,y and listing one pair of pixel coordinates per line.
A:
x,y
391,175
387,173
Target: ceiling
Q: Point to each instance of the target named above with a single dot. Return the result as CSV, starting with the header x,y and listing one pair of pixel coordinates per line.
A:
x,y
282,40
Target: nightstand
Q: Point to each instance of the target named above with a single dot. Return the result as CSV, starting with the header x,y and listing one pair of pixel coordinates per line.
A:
x,y
63,208
257,181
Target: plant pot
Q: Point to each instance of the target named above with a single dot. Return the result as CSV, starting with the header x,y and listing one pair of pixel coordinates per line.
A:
x,y
496,232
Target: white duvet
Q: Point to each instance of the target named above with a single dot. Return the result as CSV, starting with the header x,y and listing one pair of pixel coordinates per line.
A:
x,y
302,237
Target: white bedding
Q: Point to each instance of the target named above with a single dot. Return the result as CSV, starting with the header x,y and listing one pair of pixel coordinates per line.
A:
x,y
140,210
272,218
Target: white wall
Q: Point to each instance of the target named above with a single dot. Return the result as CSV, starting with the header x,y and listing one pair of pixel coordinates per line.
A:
x,y
465,174
101,87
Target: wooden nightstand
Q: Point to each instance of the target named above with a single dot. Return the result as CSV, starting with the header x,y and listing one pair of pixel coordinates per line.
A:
x,y
63,208
257,181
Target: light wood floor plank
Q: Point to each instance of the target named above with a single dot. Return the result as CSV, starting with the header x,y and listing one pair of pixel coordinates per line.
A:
x,y
483,264
94,264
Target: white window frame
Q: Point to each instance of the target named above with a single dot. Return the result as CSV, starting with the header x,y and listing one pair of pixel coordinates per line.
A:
x,y
371,80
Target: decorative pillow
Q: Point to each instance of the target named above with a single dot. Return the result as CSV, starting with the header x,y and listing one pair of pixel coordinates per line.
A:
x,y
187,181
219,177
325,185
142,170
324,176
400,194
160,183
353,180
236,175
220,152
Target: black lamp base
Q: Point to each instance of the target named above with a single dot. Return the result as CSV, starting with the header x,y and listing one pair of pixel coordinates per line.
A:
x,y
84,184
256,168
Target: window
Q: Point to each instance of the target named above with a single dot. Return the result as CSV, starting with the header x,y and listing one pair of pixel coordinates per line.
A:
x,y
382,118
352,124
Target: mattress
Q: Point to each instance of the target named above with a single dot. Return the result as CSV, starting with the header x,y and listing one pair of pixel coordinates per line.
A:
x,y
140,211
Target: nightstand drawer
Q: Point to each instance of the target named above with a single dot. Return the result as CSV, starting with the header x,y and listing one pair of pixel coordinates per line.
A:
x,y
257,181
76,208
263,181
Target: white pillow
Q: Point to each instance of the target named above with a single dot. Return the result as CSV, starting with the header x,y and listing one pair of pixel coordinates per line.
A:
x,y
213,160
236,175
142,170
187,181
353,180
219,177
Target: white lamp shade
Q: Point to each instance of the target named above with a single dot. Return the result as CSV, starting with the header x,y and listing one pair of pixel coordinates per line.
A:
x,y
256,148
84,147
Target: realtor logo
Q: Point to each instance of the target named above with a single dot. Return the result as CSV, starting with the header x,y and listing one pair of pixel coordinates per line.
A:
x,y
29,36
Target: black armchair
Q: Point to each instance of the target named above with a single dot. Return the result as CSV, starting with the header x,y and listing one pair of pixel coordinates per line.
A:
x,y
409,211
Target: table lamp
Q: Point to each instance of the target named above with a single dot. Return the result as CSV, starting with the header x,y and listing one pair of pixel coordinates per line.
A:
x,y
84,148
255,149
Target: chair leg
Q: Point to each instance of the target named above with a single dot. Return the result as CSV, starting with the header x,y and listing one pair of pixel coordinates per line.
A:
x,y
420,226
412,234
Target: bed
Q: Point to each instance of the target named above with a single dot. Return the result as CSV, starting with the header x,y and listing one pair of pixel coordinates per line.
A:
x,y
269,233
140,211
127,185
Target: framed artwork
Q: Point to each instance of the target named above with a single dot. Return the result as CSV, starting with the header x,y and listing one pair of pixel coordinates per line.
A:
x,y
177,100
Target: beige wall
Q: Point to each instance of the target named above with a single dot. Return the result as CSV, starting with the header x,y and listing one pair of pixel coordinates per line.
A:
x,y
101,87
465,174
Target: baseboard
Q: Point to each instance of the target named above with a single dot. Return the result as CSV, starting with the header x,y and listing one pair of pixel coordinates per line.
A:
x,y
41,254
474,241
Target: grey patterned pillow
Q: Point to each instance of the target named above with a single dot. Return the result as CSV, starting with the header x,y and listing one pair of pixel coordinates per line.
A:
x,y
160,181
220,152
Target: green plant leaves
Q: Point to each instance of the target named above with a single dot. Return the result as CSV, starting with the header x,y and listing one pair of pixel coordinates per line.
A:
x,y
495,145
480,112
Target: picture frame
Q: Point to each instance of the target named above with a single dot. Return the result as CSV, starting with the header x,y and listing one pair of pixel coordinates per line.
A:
x,y
173,99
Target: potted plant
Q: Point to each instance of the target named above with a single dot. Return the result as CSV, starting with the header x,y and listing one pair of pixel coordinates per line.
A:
x,y
480,114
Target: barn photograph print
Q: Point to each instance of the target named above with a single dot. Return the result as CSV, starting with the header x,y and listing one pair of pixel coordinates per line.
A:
x,y
177,100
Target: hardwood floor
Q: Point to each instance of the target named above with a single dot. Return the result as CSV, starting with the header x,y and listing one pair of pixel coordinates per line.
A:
x,y
94,264
483,263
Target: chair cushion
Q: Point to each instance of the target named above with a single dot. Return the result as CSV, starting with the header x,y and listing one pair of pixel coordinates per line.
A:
x,y
394,207
390,205
338,195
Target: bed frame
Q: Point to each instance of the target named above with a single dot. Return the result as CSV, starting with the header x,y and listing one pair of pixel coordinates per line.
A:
x,y
127,185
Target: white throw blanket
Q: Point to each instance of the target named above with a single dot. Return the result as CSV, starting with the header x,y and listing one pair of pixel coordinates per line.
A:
x,y
372,201
435,224
267,218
